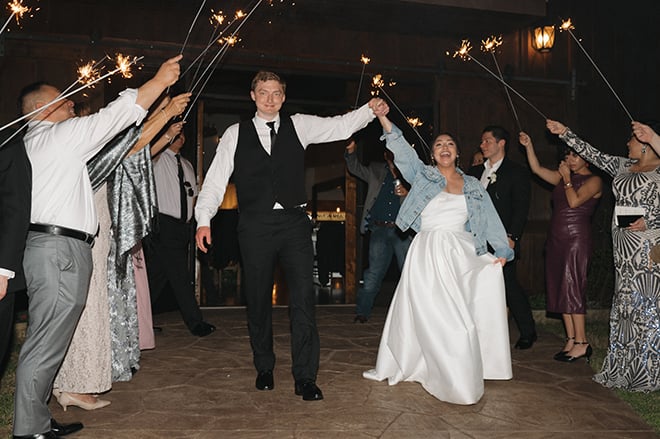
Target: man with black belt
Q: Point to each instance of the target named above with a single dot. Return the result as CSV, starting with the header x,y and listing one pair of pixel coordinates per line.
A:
x,y
166,249
385,193
266,156
58,259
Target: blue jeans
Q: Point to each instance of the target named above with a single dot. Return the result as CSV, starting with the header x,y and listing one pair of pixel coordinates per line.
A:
x,y
383,243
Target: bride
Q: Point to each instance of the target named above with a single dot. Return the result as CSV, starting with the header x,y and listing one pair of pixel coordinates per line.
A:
x,y
447,324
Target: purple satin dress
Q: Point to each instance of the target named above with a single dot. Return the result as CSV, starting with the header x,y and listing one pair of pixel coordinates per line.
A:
x,y
568,250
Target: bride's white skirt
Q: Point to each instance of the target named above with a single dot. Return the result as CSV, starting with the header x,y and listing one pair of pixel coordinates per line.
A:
x,y
447,324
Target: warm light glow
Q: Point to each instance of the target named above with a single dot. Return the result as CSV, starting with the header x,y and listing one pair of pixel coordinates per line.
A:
x,y
365,60
124,64
88,73
491,43
338,209
464,51
240,14
230,40
544,38
566,25
377,80
217,18
414,122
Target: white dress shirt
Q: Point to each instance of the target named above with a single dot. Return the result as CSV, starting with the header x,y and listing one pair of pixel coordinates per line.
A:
x,y
61,191
488,170
166,174
310,129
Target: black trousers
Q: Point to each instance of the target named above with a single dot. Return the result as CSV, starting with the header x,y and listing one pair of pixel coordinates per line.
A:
x,y
166,257
264,239
517,301
6,326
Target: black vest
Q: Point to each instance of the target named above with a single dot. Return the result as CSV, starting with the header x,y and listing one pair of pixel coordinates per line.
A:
x,y
262,179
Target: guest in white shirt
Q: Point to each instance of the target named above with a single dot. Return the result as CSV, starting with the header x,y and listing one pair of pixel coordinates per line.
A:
x,y
266,157
166,249
58,260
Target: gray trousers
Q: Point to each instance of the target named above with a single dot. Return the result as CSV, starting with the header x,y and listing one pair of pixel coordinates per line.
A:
x,y
57,271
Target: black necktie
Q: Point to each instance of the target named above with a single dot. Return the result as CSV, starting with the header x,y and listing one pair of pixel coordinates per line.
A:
x,y
273,133
182,189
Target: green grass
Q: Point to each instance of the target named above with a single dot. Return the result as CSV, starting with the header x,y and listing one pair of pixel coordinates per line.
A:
x,y
7,384
644,404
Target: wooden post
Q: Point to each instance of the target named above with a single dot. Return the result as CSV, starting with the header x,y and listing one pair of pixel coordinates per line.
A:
x,y
351,231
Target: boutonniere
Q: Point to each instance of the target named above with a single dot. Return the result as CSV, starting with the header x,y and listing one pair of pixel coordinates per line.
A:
x,y
492,178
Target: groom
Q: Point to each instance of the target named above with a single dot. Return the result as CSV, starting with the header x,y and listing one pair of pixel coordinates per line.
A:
x,y
508,185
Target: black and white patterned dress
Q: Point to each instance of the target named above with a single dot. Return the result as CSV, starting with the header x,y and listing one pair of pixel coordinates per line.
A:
x,y
633,355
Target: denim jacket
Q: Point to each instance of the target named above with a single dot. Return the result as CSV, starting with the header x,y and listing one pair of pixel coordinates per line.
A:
x,y
426,182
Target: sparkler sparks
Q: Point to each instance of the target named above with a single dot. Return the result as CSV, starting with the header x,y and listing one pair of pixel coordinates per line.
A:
x,y
414,122
88,73
124,64
464,53
217,18
364,60
491,43
566,25
18,10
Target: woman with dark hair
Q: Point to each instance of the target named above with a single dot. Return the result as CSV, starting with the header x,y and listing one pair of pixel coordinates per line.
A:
x,y
569,244
633,355
447,324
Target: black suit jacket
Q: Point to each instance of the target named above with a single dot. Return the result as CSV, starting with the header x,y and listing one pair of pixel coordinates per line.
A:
x,y
510,194
15,202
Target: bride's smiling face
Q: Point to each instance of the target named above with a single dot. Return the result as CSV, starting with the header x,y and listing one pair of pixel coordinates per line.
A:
x,y
445,151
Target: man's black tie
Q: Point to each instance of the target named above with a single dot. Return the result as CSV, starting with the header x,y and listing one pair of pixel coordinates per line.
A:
x,y
182,189
273,133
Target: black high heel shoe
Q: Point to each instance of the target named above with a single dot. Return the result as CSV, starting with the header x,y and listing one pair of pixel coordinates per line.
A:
x,y
563,353
570,359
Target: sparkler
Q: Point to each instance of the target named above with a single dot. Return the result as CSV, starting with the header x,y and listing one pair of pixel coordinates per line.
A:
x,y
124,68
490,45
377,81
227,42
364,61
568,27
464,53
191,27
17,10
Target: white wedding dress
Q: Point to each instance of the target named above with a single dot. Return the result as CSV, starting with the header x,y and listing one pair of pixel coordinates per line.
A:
x,y
447,323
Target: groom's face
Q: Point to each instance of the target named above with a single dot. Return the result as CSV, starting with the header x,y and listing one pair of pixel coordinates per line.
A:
x,y
491,148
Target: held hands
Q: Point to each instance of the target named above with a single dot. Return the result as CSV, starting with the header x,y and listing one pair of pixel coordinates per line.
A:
x,y
525,140
556,127
638,225
177,104
379,107
4,282
350,148
564,171
173,130
644,133
169,71
501,261
203,238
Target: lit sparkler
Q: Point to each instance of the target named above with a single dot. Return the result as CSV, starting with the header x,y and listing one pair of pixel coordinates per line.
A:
x,y
17,10
206,76
364,60
120,68
490,45
567,26
377,81
88,73
414,122
464,53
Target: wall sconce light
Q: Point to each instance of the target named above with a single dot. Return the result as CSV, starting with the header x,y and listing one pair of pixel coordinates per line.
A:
x,y
543,38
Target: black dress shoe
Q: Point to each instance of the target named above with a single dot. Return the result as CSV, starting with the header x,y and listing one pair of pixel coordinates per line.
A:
x,y
47,435
265,380
202,329
360,318
64,429
526,342
309,391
